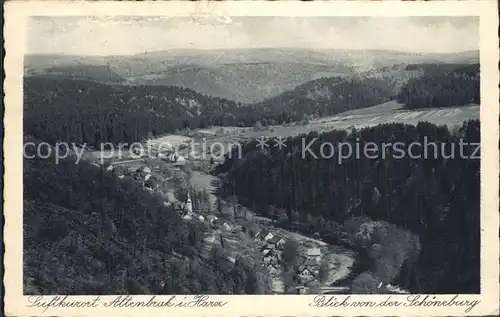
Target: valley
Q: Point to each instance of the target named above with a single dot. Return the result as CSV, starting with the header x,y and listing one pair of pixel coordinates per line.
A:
x,y
227,232
264,221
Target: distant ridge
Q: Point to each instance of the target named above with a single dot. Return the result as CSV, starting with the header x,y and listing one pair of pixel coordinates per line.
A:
x,y
245,75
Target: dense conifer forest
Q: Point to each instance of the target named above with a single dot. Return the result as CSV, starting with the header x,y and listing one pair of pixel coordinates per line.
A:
x,y
457,87
325,97
59,109
71,110
436,199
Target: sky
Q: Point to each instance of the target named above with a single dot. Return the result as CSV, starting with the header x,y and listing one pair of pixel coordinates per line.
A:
x,y
134,35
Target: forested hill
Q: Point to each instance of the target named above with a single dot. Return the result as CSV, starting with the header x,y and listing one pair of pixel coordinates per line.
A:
x,y
99,73
435,198
58,108
327,96
87,232
442,86
72,110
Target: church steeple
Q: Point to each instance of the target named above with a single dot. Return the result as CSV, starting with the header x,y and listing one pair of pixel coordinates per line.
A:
x,y
189,203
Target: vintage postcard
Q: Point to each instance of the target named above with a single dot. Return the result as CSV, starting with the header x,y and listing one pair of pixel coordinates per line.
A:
x,y
251,158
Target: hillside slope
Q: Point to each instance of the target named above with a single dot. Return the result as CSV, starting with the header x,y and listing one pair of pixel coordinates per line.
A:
x,y
327,96
442,87
88,112
88,232
86,72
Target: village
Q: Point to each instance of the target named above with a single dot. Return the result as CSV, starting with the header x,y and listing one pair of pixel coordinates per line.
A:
x,y
296,264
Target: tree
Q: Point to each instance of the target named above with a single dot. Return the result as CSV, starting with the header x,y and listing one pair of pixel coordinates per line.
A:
x,y
281,215
365,283
257,126
289,282
324,270
320,223
309,219
239,276
290,254
219,206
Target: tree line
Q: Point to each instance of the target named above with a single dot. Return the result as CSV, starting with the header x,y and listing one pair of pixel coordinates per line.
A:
x,y
457,87
72,110
436,199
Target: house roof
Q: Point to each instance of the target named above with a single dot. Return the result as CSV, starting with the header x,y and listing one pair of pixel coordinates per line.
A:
x,y
265,252
270,264
275,239
313,252
144,169
262,233
264,247
304,268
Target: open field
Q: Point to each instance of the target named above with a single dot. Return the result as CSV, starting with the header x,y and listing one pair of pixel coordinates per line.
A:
x,y
388,112
170,140
393,112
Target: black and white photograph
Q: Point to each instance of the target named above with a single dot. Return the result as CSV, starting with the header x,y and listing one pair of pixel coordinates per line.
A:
x,y
253,155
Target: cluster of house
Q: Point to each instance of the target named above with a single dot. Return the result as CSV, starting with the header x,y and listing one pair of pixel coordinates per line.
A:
x,y
172,157
161,150
186,212
143,175
272,252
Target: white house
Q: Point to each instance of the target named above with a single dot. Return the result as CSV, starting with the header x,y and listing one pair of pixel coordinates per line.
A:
x,y
263,235
201,218
306,273
212,218
109,168
276,242
313,253
265,252
226,226
210,239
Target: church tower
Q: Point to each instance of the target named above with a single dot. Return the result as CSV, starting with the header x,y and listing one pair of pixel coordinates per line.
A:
x,y
189,203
